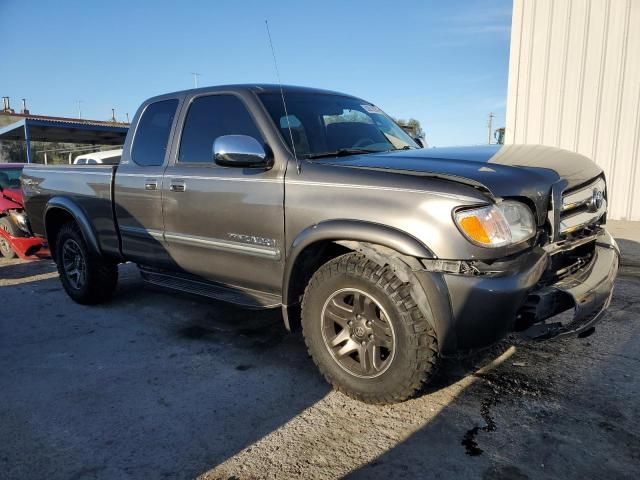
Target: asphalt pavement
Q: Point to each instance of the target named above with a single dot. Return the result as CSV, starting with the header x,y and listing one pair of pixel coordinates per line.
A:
x,y
158,384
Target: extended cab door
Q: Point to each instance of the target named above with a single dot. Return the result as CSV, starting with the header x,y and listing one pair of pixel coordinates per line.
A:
x,y
223,223
138,184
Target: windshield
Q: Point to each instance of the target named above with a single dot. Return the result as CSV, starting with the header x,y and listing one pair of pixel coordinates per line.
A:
x,y
325,124
10,177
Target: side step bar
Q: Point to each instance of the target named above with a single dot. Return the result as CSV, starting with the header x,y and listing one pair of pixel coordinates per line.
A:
x,y
239,296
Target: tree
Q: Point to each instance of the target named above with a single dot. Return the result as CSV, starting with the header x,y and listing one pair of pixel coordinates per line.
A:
x,y
411,126
12,152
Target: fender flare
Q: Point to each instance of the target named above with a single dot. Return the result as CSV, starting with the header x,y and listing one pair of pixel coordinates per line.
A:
x,y
80,217
351,230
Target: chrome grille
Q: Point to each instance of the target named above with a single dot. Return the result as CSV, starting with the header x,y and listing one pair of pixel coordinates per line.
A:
x,y
582,207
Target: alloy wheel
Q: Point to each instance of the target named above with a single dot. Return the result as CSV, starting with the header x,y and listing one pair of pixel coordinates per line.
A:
x,y
73,262
357,332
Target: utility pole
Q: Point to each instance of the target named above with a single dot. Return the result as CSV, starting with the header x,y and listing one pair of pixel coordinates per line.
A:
x,y
79,102
195,79
489,127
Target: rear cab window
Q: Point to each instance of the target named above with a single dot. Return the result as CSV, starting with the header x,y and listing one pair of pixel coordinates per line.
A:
x,y
152,134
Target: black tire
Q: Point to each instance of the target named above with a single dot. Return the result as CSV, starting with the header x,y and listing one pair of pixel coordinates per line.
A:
x,y
5,249
405,368
97,278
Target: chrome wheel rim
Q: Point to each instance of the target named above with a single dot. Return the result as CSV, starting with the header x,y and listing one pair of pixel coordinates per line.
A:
x,y
357,333
4,245
73,263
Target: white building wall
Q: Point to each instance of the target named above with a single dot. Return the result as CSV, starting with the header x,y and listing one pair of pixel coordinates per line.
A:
x,y
574,83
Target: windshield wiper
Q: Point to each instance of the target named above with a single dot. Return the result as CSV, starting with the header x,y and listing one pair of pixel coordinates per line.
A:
x,y
341,152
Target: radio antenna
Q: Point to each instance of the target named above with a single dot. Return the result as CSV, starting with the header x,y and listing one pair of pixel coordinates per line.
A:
x,y
284,103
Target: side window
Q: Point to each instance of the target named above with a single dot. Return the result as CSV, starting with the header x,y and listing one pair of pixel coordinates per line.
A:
x,y
209,118
152,134
297,132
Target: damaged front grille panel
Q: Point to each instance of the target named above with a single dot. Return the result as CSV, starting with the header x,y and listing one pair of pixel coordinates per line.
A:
x,y
581,208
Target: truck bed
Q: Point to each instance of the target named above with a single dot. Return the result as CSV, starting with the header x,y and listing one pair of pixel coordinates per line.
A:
x,y
90,187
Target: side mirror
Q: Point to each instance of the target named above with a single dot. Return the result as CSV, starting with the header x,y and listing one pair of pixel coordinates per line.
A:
x,y
240,151
421,143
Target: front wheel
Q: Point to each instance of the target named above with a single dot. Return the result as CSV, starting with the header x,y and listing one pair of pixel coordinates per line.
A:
x,y
88,279
5,247
365,332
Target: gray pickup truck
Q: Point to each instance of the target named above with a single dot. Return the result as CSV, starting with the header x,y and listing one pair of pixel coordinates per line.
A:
x,y
387,256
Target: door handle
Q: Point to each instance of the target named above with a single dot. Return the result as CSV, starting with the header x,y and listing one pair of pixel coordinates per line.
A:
x,y
177,186
150,184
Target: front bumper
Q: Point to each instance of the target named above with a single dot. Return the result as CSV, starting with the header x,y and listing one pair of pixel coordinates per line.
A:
x,y
484,308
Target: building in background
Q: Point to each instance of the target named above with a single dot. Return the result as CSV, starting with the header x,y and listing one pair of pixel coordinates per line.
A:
x,y
25,137
574,83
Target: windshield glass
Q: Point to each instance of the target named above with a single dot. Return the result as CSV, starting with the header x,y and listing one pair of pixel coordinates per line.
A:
x,y
323,124
10,177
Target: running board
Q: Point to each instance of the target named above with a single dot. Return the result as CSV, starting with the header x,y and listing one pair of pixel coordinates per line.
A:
x,y
239,296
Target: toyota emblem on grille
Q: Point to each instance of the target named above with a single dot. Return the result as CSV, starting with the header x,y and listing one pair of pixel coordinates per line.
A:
x,y
597,198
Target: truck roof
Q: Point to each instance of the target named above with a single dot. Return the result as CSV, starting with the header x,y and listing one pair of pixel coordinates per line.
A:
x,y
249,87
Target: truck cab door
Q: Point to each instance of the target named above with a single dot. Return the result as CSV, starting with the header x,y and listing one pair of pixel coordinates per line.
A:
x,y
138,185
222,223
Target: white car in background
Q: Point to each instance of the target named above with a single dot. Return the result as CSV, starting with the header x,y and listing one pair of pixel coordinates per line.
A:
x,y
107,157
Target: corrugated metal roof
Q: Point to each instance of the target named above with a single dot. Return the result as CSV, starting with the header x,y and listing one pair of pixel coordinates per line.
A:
x,y
80,121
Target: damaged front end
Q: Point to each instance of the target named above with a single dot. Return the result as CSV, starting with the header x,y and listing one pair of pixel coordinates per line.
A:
x,y
579,275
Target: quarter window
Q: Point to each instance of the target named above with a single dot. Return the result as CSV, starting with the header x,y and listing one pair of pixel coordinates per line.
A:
x,y
152,134
210,117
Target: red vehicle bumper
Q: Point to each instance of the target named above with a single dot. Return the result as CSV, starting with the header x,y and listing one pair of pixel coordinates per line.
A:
x,y
25,246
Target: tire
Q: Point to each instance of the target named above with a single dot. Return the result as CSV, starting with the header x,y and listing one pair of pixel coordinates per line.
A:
x,y
88,279
400,348
5,248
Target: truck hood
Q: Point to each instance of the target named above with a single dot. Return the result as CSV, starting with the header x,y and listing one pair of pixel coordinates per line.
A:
x,y
504,171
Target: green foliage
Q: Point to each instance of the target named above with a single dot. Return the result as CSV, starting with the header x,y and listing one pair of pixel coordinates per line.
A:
x,y
411,126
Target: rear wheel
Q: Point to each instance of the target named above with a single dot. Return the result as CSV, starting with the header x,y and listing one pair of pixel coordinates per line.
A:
x,y
87,279
366,333
7,225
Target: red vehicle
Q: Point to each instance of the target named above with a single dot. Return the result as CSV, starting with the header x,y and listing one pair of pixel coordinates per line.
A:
x,y
16,238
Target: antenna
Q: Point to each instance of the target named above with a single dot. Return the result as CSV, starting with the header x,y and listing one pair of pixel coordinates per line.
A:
x,y
284,103
196,75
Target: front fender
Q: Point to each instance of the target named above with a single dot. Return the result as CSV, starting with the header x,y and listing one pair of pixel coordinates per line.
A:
x,y
351,230
73,209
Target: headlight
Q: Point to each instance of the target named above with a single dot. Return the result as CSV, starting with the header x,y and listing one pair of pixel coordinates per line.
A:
x,y
504,223
20,219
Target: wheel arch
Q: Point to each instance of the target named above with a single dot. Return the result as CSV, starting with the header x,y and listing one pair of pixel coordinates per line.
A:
x,y
321,242
61,210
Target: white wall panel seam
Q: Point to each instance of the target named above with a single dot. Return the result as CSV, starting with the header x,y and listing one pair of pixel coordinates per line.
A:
x,y
563,81
600,85
585,47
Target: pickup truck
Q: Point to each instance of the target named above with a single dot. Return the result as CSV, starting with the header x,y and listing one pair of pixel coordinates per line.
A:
x,y
389,257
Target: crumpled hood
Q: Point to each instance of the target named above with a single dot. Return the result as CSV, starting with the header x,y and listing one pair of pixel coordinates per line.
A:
x,y
13,194
505,171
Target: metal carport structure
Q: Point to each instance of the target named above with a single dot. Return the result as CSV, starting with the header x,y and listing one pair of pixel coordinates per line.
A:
x,y
64,130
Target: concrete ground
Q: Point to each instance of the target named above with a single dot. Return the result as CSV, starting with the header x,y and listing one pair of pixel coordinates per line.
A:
x,y
164,385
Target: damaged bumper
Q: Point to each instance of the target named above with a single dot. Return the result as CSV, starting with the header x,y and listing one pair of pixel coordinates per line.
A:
x,y
588,291
523,293
25,246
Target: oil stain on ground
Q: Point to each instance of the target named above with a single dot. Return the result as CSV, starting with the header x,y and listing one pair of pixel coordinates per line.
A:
x,y
501,385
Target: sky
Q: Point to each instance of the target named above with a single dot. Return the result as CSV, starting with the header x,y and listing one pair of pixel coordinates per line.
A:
x,y
444,63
